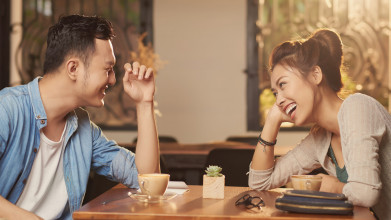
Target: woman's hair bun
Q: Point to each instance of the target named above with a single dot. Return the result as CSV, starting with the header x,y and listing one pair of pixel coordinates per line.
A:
x,y
329,40
323,48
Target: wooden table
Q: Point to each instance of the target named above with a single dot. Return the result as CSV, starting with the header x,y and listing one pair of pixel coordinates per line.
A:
x,y
184,162
191,205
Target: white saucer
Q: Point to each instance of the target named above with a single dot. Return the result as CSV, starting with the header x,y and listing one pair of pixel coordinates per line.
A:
x,y
152,199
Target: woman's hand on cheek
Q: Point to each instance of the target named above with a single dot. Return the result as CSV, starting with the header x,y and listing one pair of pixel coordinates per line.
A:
x,y
275,113
331,184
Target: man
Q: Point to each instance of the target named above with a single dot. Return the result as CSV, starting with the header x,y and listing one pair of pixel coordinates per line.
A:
x,y
48,143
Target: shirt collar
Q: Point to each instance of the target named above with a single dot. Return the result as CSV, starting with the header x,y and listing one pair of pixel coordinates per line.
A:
x,y
39,110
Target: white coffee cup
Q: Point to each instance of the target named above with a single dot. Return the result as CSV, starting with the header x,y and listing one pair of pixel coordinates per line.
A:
x,y
306,182
153,184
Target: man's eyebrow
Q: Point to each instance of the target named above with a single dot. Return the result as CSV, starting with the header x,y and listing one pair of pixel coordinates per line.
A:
x,y
111,63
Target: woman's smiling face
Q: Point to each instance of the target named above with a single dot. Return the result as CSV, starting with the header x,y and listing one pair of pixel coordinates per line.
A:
x,y
295,94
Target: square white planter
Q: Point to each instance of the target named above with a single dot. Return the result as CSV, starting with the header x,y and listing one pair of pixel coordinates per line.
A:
x,y
213,187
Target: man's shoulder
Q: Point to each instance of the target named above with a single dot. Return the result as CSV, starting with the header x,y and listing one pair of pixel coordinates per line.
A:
x,y
12,97
13,92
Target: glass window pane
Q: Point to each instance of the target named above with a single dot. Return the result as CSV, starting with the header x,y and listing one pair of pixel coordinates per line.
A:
x,y
364,29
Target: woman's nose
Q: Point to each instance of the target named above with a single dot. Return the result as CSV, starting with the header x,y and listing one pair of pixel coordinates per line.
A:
x,y
280,100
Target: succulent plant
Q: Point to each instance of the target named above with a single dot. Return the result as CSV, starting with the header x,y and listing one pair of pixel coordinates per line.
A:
x,y
213,171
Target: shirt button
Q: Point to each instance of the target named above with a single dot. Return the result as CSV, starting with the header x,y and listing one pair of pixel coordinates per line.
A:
x,y
35,150
43,122
24,181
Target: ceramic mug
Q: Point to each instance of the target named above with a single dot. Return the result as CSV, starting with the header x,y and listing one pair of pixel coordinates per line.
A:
x,y
153,184
306,182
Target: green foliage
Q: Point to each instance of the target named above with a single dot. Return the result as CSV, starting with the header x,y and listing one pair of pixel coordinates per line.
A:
x,y
213,171
266,100
349,86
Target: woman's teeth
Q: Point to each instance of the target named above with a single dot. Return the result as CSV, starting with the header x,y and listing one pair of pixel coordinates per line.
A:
x,y
290,109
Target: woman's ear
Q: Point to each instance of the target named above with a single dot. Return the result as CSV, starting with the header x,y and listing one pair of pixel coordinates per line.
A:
x,y
72,68
316,75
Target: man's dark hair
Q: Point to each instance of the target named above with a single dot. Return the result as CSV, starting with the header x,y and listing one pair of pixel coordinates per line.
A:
x,y
74,34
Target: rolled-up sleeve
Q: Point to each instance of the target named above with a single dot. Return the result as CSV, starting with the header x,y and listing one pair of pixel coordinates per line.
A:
x,y
114,162
301,160
260,179
124,168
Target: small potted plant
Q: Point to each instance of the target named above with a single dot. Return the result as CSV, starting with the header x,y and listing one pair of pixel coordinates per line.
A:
x,y
214,182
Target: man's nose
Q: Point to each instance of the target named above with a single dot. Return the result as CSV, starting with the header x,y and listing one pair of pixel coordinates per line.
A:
x,y
112,79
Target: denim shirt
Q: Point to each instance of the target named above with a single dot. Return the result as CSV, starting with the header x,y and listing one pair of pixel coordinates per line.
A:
x,y
22,116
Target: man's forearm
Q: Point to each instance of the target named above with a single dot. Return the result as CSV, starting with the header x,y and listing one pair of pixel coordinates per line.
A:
x,y
10,211
147,151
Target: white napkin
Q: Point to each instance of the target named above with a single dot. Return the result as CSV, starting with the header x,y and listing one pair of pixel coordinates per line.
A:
x,y
179,187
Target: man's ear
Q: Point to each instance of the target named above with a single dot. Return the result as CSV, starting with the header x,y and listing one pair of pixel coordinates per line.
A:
x,y
316,75
73,68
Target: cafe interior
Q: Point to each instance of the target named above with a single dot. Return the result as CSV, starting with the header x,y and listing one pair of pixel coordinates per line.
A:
x,y
210,59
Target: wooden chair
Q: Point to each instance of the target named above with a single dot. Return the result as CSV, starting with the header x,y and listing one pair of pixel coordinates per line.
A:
x,y
252,140
235,164
162,139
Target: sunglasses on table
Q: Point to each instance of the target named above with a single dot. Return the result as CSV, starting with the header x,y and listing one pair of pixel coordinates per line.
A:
x,y
250,201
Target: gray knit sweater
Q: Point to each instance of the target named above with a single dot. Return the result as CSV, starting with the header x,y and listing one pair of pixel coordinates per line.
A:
x,y
365,127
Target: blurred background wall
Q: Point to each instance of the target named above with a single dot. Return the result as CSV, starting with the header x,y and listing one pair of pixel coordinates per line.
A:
x,y
201,90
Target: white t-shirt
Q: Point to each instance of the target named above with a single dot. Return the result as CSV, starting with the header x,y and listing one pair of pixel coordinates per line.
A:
x,y
45,192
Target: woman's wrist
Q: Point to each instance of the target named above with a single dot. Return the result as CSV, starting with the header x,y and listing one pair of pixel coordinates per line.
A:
x,y
268,137
270,130
265,143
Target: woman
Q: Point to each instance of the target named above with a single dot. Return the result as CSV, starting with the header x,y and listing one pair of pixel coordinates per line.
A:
x,y
351,138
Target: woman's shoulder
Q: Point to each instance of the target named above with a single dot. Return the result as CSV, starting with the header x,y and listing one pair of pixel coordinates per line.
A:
x,y
359,97
359,101
360,109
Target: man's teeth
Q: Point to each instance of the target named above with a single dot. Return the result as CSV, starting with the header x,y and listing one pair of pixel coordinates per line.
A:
x,y
290,109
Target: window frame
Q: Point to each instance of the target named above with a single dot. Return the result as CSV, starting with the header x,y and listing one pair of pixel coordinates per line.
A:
x,y
5,8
